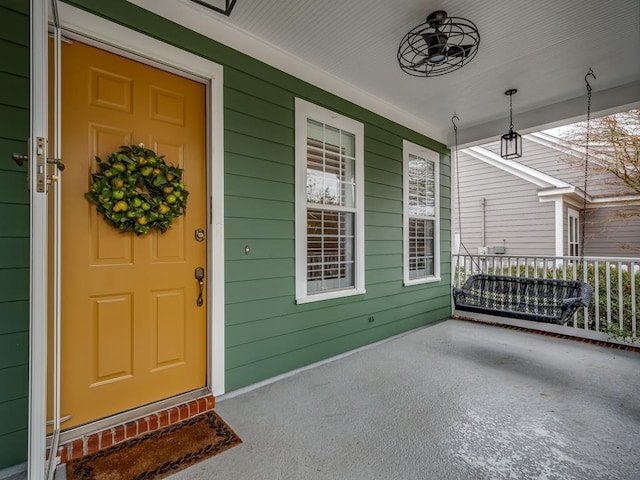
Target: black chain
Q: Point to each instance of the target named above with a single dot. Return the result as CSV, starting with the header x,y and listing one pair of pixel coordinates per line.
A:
x,y
455,159
586,168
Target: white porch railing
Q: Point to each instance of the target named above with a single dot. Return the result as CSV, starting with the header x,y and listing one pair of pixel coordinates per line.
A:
x,y
615,307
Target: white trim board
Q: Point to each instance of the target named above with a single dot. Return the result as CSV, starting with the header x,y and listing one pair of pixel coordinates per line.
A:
x,y
38,256
196,18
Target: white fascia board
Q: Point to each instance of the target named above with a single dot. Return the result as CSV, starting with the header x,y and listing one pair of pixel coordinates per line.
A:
x,y
207,23
575,197
565,147
552,192
555,143
528,174
620,201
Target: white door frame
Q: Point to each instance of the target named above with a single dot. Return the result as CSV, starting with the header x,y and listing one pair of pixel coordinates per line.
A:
x,y
38,285
97,31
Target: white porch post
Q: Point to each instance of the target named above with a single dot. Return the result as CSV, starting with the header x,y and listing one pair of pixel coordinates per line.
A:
x,y
38,245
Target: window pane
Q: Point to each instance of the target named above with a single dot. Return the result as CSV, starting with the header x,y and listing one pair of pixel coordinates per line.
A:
x,y
332,138
421,248
421,180
315,131
348,144
330,250
330,172
348,195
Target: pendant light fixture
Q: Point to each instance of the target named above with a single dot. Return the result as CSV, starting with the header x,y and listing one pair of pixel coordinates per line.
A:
x,y
511,144
221,6
440,45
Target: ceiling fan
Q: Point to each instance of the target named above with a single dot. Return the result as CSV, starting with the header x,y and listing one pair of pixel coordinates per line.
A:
x,y
438,46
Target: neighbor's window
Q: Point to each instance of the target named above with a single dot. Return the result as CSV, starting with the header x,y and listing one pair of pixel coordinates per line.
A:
x,y
329,204
573,239
421,214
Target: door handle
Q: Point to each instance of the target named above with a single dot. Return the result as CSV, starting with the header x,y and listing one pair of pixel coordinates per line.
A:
x,y
199,273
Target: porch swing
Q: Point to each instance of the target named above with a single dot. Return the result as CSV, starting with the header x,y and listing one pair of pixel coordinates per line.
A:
x,y
546,300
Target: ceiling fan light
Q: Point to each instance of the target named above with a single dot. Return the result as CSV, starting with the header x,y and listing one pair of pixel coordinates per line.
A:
x,y
436,57
440,45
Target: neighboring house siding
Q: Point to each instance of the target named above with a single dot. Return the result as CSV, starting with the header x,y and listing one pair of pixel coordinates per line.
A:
x,y
609,230
267,333
512,211
609,234
546,160
569,168
14,233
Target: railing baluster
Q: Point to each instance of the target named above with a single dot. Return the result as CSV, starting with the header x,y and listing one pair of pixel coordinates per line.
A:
x,y
620,298
596,292
608,286
633,299
585,310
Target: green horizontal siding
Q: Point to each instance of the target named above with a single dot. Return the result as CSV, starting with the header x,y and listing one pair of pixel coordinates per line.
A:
x,y
260,249
267,333
14,234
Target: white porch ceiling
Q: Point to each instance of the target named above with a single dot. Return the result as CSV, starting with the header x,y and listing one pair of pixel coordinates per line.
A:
x,y
543,48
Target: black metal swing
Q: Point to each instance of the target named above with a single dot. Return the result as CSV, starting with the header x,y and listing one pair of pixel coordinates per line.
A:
x,y
545,300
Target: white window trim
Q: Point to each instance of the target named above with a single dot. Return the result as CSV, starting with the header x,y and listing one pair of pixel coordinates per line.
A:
x,y
571,213
305,110
422,152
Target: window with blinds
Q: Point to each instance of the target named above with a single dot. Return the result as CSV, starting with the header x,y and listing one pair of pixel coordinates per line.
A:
x,y
330,208
421,217
330,203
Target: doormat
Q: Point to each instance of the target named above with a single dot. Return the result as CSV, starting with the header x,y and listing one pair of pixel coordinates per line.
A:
x,y
158,454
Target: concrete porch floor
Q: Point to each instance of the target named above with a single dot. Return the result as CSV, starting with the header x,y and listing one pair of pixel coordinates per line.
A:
x,y
456,400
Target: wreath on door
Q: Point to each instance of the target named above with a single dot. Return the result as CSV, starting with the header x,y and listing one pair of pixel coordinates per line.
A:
x,y
136,191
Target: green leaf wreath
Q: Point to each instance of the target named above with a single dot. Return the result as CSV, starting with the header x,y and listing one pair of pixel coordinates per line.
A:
x,y
137,191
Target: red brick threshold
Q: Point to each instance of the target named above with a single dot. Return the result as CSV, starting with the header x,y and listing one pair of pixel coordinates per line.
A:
x,y
96,441
601,343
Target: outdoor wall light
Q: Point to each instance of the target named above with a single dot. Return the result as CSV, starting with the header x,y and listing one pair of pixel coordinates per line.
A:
x,y
511,144
440,45
220,6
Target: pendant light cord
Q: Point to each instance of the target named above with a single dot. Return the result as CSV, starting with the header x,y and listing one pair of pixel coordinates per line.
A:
x,y
511,112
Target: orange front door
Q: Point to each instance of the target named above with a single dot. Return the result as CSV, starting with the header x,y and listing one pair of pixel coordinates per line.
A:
x,y
132,333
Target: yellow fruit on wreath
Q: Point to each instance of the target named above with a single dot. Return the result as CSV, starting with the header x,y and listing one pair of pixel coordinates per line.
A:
x,y
136,191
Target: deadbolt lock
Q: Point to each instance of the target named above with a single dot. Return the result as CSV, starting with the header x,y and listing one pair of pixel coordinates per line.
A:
x,y
199,234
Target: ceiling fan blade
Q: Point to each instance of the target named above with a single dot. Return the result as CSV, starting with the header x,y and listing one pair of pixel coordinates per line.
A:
x,y
459,50
420,62
433,39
